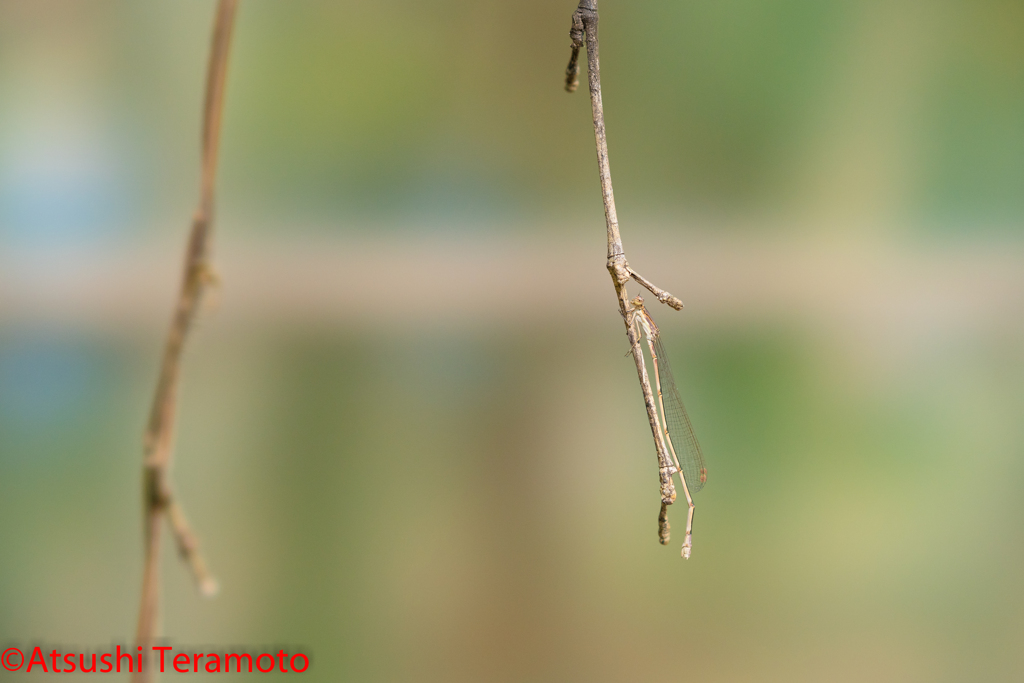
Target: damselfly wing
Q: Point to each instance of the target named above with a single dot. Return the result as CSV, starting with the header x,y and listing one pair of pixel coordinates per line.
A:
x,y
678,428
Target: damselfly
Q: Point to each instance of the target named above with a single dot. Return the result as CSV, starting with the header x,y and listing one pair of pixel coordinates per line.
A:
x,y
674,422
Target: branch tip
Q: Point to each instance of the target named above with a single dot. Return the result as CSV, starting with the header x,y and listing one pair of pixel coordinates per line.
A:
x,y
209,588
572,72
662,296
188,549
664,528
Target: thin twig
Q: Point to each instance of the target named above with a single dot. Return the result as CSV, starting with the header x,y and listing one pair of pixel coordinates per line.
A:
x,y
663,296
158,495
584,31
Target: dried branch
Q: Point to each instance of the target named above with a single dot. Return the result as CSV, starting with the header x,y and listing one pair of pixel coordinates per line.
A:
x,y
584,32
158,495
663,296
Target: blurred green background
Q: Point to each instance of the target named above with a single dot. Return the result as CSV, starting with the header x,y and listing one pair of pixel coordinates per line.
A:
x,y
409,438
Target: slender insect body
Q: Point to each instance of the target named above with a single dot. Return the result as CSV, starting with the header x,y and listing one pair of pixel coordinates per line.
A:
x,y
671,420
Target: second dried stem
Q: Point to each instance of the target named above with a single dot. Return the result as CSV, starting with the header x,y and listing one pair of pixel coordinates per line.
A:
x,y
158,495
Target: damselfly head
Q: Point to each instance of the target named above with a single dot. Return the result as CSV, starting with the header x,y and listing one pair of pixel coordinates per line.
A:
x,y
637,302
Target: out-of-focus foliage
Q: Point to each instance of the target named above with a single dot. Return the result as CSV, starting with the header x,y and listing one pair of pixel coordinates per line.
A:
x,y
450,112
